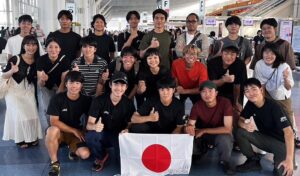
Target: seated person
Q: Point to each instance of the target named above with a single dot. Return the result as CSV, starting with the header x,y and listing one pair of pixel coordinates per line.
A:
x,y
163,114
265,125
189,74
108,116
211,121
66,110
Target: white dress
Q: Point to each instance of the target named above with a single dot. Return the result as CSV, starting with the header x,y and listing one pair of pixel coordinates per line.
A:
x,y
22,121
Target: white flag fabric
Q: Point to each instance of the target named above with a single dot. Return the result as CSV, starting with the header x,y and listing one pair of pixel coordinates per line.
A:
x,y
155,154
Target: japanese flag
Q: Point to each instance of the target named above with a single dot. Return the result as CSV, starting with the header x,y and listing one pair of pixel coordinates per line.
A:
x,y
155,154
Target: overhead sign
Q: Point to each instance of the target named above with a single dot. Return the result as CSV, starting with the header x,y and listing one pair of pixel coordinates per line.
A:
x,y
202,9
71,7
164,4
285,30
248,22
296,39
210,22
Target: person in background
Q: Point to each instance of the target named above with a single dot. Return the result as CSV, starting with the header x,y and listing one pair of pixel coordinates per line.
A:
x,y
40,34
258,39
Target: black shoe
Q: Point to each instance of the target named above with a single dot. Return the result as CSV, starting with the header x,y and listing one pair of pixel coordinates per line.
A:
x,y
72,156
226,168
297,143
249,165
98,165
55,169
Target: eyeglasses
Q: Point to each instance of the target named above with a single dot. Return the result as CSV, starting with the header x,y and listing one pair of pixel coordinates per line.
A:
x,y
191,21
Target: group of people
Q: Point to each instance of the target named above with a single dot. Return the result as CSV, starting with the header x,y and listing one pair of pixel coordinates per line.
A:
x,y
87,95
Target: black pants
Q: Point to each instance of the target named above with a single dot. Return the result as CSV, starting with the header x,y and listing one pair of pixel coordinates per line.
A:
x,y
193,97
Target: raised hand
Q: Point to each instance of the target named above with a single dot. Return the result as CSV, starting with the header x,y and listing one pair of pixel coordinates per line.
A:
x,y
154,116
286,73
105,75
44,76
14,68
154,43
75,68
228,78
99,125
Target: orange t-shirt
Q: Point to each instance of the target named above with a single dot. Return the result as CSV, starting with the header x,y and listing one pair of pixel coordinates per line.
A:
x,y
189,79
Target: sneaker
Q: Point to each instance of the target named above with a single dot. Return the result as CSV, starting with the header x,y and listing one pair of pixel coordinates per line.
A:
x,y
226,168
72,156
98,165
55,169
249,165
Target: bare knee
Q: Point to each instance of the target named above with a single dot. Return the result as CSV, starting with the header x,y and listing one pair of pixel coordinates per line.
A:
x,y
53,133
83,152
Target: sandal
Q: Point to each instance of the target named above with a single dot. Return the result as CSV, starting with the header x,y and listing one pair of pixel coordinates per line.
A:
x,y
32,144
22,145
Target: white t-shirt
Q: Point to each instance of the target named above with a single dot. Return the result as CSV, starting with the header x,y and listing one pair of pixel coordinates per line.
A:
x,y
189,38
13,46
274,82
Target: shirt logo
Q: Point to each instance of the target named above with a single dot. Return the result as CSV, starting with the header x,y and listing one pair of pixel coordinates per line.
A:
x,y
283,119
64,110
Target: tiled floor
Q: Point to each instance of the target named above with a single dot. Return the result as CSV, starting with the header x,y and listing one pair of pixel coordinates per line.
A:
x,y
34,161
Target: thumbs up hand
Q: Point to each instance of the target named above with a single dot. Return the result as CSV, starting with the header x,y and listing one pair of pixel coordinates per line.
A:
x,y
227,78
154,116
44,76
75,68
286,73
99,126
14,68
105,75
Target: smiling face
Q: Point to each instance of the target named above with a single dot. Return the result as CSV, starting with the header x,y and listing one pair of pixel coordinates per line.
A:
x,y
159,21
209,95
118,89
269,57
99,25
88,51
153,61
190,57
30,48
128,61
25,27
268,31
166,94
228,57
73,88
254,94
53,49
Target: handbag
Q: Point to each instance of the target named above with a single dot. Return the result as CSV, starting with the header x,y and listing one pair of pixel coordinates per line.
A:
x,y
5,83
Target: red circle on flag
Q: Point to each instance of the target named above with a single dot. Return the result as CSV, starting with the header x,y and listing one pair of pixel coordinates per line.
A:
x,y
156,158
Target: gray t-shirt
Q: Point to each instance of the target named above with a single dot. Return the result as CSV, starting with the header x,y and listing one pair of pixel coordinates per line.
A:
x,y
164,39
244,46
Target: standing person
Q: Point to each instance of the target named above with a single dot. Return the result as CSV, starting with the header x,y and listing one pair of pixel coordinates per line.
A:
x,y
211,123
189,74
109,115
264,124
51,69
160,114
66,111
193,36
228,73
158,38
276,77
269,29
70,41
40,34
148,76
13,46
233,25
133,36
105,43
22,123
2,44
91,66
258,39
127,64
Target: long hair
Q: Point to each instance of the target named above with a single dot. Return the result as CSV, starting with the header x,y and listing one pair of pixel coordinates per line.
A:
x,y
274,48
31,39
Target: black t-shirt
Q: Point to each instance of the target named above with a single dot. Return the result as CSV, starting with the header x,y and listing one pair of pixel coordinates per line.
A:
x,y
2,44
258,40
135,42
105,45
69,43
69,111
270,119
25,70
131,76
216,71
114,117
150,79
54,78
169,116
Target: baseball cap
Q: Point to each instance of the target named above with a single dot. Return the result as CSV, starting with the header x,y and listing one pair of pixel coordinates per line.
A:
x,y
231,47
119,77
208,84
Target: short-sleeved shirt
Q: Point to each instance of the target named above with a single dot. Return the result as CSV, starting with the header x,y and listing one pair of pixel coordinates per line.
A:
x,y
258,40
270,119
124,36
69,43
244,46
105,45
13,46
165,42
211,117
91,72
54,78
114,117
216,71
169,116
131,76
191,78
151,79
26,71
69,111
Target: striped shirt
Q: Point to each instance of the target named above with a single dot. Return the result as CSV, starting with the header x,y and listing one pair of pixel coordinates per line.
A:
x,y
91,72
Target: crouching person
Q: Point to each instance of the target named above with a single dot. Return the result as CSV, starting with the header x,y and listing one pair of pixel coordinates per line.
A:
x,y
66,110
265,125
210,122
163,114
108,116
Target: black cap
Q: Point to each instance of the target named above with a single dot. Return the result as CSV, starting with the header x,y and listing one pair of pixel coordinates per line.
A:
x,y
208,84
119,77
231,47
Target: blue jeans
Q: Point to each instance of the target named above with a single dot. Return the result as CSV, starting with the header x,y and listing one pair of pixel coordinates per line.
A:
x,y
98,142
